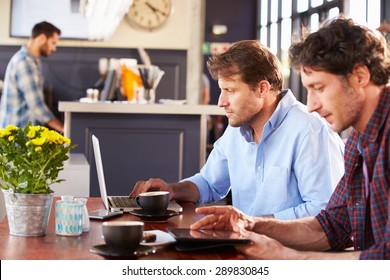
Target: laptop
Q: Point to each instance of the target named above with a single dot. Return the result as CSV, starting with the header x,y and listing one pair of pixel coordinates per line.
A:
x,y
118,203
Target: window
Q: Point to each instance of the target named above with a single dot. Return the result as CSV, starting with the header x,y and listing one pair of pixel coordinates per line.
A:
x,y
366,12
280,20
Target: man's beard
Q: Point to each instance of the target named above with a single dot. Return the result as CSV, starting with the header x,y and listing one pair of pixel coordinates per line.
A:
x,y
43,51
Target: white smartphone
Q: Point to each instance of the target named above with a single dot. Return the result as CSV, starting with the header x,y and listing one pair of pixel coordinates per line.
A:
x,y
103,214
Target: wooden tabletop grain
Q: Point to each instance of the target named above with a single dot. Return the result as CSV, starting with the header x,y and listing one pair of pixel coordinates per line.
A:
x,y
56,247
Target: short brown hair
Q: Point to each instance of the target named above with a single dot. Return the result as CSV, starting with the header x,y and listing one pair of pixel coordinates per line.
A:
x,y
251,60
46,28
338,46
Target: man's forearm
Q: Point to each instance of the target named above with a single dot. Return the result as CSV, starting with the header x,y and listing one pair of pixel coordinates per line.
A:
x,y
301,234
56,124
185,191
291,254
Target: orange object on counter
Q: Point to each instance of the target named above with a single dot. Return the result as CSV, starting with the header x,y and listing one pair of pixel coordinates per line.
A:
x,y
130,82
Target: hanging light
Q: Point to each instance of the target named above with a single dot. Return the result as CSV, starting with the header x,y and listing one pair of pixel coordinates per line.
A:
x,y
103,16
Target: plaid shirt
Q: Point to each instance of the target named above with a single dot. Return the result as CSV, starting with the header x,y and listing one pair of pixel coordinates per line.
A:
x,y
353,217
22,99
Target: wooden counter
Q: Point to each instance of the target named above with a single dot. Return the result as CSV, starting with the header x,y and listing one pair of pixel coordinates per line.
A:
x,y
139,141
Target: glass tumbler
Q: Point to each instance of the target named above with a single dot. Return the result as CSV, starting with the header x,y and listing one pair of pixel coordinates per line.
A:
x,y
69,217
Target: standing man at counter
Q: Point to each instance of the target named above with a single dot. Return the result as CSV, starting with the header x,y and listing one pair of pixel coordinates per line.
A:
x,y
276,158
22,99
346,69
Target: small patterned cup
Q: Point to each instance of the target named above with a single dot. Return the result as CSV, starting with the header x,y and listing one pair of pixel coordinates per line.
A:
x,y
69,217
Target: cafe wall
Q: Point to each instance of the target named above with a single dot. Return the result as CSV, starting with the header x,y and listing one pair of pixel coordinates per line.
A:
x,y
74,67
240,20
174,35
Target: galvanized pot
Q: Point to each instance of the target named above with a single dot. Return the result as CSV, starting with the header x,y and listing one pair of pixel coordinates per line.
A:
x,y
28,214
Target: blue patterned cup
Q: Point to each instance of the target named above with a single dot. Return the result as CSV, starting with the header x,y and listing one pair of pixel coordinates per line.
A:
x,y
69,217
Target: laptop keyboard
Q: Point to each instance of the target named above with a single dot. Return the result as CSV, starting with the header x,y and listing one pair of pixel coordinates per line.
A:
x,y
124,201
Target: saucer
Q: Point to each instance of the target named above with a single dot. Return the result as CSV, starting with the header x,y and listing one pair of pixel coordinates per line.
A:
x,y
104,250
159,217
162,239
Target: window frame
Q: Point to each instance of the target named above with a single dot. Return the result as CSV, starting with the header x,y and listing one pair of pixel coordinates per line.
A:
x,y
298,19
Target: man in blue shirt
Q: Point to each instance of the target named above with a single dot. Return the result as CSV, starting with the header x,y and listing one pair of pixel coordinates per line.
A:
x,y
22,99
276,158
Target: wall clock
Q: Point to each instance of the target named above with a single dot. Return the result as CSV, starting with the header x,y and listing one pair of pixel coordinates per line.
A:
x,y
150,14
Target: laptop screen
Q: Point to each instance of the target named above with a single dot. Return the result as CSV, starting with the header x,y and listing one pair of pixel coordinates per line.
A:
x,y
99,170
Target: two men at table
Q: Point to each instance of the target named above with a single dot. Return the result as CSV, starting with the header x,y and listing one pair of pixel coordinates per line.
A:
x,y
275,157
345,68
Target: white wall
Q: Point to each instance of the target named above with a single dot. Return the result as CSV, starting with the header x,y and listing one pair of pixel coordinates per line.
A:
x,y
174,35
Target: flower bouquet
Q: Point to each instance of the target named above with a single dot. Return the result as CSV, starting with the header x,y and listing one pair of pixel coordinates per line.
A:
x,y
31,158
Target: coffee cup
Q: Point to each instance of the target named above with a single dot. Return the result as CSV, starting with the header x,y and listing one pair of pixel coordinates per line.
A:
x,y
123,235
153,202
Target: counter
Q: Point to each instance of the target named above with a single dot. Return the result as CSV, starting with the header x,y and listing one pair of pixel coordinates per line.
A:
x,y
139,141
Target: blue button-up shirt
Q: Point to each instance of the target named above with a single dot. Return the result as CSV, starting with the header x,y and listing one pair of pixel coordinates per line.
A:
x,y
22,99
291,173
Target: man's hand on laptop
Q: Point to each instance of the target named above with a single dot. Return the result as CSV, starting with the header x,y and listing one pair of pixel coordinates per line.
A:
x,y
153,184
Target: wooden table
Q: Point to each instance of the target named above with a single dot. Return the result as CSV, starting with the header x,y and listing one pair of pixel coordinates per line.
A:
x,y
56,247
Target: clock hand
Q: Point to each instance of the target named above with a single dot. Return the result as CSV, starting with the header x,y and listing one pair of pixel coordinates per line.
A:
x,y
154,9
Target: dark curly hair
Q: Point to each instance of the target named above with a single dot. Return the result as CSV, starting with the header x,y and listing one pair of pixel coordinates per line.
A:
x,y
338,46
251,60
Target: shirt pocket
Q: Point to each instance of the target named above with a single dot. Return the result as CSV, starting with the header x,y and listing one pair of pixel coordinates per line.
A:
x,y
276,185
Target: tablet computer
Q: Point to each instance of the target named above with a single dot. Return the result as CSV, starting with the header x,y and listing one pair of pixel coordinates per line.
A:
x,y
207,236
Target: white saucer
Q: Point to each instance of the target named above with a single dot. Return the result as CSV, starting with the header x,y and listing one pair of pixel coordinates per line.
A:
x,y
162,238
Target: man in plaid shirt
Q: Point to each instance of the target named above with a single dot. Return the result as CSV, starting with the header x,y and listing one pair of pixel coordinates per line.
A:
x,y
22,99
345,68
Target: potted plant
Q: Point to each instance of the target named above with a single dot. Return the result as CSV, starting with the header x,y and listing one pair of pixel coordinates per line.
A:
x,y
30,159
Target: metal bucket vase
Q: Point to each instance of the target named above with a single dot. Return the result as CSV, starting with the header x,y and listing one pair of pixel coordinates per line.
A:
x,y
28,214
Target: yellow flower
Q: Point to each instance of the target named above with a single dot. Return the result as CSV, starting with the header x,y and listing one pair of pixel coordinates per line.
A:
x,y
53,136
36,155
66,140
38,141
4,132
11,127
33,131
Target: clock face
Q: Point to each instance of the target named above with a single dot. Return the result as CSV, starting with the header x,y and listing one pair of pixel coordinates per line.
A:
x,y
150,14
